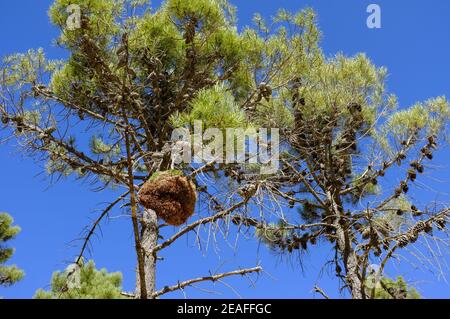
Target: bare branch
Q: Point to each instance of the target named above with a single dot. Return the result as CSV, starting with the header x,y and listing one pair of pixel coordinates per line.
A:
x,y
214,278
320,291
199,222
97,222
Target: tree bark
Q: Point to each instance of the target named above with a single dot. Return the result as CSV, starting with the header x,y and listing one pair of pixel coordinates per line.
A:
x,y
350,262
149,240
345,248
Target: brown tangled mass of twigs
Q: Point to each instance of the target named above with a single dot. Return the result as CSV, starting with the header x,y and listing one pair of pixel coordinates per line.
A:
x,y
172,197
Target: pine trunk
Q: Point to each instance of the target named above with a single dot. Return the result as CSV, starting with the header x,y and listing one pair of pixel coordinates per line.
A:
x,y
351,264
345,249
149,239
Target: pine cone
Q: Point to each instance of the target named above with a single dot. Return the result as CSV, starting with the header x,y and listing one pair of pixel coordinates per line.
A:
x,y
420,169
5,119
404,187
412,175
428,228
377,251
366,233
441,223
401,155
403,241
419,227
413,237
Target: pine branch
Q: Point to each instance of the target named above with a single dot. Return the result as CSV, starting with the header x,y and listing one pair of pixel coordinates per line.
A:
x,y
320,291
306,183
83,160
96,223
133,202
213,278
197,223
386,165
251,222
48,94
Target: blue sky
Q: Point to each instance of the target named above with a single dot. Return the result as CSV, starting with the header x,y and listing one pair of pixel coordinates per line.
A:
x,y
413,43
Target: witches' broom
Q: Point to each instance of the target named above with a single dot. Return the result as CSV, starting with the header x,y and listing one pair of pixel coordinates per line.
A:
x,y
171,195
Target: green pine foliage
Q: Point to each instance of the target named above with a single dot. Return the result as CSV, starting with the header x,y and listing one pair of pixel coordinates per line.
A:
x,y
8,274
215,107
85,282
389,288
187,62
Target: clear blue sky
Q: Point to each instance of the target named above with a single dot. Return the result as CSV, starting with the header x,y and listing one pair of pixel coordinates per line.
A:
x,y
414,44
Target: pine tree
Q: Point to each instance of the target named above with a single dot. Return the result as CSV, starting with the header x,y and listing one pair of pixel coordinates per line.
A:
x,y
395,289
83,282
131,80
8,274
347,133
